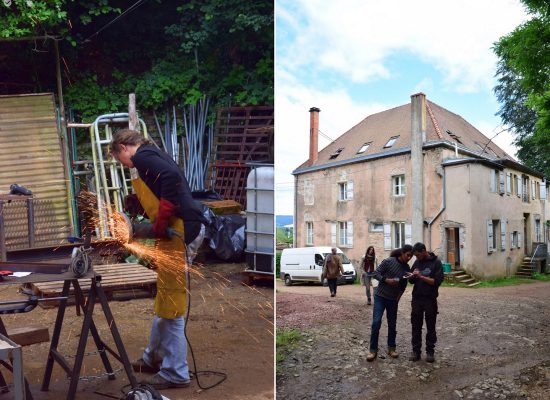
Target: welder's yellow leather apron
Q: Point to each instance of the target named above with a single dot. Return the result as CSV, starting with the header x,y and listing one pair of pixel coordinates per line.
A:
x,y
171,299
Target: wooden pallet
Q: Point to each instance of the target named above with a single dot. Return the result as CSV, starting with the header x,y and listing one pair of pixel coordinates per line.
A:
x,y
119,281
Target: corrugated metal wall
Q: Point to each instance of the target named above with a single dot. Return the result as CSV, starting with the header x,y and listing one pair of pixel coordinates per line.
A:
x,y
31,155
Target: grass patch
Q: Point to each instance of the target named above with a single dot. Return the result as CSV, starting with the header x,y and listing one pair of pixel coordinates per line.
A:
x,y
511,281
285,341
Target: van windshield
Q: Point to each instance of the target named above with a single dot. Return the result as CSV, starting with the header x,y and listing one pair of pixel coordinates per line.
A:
x,y
345,260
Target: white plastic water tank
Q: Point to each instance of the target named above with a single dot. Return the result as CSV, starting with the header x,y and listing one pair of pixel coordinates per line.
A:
x,y
260,219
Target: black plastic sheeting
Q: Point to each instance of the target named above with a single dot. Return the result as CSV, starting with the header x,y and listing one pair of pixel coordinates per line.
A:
x,y
225,234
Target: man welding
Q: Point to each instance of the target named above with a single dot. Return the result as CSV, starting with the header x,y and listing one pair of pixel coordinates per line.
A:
x,y
165,196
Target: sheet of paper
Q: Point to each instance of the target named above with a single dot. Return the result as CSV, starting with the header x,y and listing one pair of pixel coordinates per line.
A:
x,y
21,274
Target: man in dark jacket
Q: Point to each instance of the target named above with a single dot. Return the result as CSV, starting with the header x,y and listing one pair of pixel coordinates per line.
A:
x,y
427,277
390,274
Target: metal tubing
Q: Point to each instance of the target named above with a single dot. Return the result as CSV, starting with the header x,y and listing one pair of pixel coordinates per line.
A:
x,y
3,254
30,220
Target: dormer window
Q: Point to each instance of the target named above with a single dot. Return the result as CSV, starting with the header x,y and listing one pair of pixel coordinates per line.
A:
x,y
336,153
364,147
454,136
391,142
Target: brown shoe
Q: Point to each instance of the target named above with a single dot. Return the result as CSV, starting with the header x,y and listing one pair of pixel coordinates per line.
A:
x,y
392,353
142,367
158,382
371,356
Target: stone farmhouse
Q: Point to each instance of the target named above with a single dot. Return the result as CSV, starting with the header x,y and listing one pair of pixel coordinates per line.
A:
x,y
419,172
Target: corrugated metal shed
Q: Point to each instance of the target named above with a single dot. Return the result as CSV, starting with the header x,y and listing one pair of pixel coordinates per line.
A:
x,y
31,155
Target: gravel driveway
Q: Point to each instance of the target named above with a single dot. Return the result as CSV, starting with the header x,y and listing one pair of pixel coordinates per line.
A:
x,y
493,343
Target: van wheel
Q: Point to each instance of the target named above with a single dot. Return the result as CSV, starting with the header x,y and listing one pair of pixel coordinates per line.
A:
x,y
288,281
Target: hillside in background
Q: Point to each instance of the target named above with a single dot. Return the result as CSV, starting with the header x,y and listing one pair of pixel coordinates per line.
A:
x,y
282,220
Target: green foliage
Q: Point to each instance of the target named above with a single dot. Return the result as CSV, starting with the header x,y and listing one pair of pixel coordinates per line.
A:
x,y
523,87
277,264
167,52
285,342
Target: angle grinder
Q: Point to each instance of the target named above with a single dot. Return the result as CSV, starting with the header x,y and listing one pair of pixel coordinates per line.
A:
x,y
125,230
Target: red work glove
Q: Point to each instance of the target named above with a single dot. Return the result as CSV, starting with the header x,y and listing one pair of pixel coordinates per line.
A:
x,y
166,210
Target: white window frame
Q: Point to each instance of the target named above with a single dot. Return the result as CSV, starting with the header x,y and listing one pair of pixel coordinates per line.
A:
x,y
398,185
345,191
391,141
309,233
345,233
376,227
398,234
508,183
492,234
533,190
364,147
538,231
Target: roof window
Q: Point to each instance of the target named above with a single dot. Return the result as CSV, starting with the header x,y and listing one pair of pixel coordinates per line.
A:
x,y
391,142
454,136
336,153
364,148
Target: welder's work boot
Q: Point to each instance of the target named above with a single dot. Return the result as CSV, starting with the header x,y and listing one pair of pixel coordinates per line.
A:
x,y
142,367
414,356
159,383
430,357
371,356
392,353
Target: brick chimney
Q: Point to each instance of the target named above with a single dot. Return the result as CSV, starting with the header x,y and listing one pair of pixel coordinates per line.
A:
x,y
418,136
313,134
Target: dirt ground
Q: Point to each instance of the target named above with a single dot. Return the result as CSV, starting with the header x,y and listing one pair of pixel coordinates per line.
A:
x,y
493,343
230,329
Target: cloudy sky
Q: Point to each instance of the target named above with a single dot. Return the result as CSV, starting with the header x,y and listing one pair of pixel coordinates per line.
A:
x,y
352,58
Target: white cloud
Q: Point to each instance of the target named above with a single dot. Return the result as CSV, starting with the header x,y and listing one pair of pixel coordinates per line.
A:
x,y
355,37
292,104
504,139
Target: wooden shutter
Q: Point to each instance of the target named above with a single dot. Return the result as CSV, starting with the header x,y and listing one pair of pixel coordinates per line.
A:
x,y
349,193
408,234
511,240
519,240
489,236
502,234
520,189
543,191
349,234
533,190
501,182
508,183
387,237
493,181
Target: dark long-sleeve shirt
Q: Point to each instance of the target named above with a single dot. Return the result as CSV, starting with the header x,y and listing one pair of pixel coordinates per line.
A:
x,y
431,267
391,268
163,176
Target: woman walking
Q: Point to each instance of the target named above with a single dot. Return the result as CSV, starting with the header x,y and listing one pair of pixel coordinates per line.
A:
x,y
369,265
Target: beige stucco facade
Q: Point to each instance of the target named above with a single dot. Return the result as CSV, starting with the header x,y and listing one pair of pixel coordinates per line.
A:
x,y
456,222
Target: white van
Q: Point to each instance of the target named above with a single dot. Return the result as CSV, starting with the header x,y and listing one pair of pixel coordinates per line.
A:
x,y
306,264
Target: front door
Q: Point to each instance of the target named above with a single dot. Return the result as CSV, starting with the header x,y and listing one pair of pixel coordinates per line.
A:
x,y
453,256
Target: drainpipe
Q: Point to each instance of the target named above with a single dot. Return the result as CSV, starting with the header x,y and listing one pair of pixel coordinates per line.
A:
x,y
418,134
443,205
295,210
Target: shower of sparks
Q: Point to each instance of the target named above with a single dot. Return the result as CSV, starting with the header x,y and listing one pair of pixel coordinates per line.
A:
x,y
173,263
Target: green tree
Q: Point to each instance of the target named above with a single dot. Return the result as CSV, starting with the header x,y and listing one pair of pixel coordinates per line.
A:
x,y
167,51
523,87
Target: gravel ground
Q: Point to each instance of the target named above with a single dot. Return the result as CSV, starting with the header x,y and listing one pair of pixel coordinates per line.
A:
x,y
493,343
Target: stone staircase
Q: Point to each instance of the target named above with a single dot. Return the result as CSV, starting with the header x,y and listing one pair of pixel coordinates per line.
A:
x,y
460,276
526,268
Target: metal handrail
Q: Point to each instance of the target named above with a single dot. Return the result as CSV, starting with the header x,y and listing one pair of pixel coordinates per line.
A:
x,y
535,252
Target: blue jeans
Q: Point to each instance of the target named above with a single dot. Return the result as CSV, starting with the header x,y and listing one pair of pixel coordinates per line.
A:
x,y
381,304
167,349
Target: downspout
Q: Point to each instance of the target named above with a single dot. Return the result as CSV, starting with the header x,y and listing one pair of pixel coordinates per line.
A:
x,y
443,206
295,210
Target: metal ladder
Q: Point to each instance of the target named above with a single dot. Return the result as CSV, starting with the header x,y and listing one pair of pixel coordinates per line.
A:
x,y
112,179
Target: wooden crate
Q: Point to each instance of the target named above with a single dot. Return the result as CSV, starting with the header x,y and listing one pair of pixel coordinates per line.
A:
x,y
119,281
